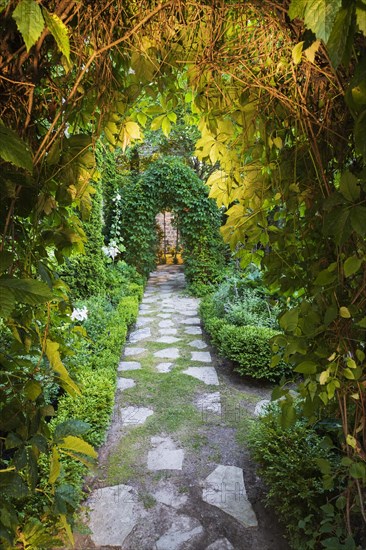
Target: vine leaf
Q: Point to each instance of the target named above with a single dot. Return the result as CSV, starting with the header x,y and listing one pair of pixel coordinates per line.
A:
x,y
59,32
297,53
54,358
14,150
361,18
27,291
29,20
352,265
78,445
320,16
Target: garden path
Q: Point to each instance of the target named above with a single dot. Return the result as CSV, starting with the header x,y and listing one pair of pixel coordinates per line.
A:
x,y
175,473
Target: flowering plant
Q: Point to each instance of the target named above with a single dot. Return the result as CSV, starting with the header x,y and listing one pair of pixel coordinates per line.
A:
x,y
79,314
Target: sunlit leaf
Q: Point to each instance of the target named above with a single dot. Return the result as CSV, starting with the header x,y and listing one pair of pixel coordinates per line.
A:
x,y
14,150
59,31
29,20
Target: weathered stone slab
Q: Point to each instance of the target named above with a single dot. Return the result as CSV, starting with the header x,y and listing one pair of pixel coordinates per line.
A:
x,y
134,351
199,344
209,403
221,544
129,365
201,356
140,334
164,315
191,321
193,330
143,321
124,511
167,493
149,300
183,530
167,323
145,309
208,375
167,353
225,488
167,331
134,416
125,383
167,340
164,367
164,455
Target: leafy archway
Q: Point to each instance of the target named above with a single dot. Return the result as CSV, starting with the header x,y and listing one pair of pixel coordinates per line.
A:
x,y
168,184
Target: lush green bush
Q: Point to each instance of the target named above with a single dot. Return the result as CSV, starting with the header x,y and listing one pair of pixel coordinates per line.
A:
x,y
248,346
295,463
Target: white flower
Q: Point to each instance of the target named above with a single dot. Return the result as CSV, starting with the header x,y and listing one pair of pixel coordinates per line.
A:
x,y
117,197
111,250
79,314
131,71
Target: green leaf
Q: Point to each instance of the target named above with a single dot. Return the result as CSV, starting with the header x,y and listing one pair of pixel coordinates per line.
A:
x,y
358,219
344,312
59,32
361,17
54,358
358,470
297,53
320,16
70,427
32,390
166,126
7,302
336,223
6,259
360,135
338,40
29,20
27,291
306,367
78,445
352,265
297,9
349,187
14,150
289,320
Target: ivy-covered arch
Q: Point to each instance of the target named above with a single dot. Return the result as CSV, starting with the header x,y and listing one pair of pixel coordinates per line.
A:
x,y
168,184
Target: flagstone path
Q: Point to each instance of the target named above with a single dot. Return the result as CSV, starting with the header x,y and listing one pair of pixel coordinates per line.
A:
x,y
174,473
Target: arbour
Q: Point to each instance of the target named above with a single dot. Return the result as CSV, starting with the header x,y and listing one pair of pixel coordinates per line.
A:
x,y
169,184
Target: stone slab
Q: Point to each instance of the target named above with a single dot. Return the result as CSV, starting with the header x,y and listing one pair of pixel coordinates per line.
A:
x,y
140,334
198,344
167,493
167,353
221,544
183,530
168,331
167,340
201,356
129,365
133,351
225,489
143,321
164,367
191,321
261,407
167,323
124,511
134,416
164,455
164,315
209,403
125,383
193,330
208,375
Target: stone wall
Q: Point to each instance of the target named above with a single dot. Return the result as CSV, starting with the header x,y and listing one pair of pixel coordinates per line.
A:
x,y
170,231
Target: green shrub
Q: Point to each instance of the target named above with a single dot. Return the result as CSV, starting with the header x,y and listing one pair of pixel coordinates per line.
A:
x,y
292,462
248,346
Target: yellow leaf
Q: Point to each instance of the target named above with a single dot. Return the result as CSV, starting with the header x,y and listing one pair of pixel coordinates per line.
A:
x,y
166,126
278,142
351,441
323,378
311,51
344,312
133,129
78,445
67,528
54,358
55,468
297,53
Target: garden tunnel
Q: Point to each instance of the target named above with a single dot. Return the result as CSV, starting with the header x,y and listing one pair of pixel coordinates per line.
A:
x,y
169,185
